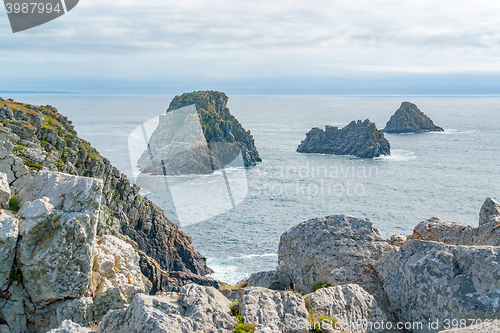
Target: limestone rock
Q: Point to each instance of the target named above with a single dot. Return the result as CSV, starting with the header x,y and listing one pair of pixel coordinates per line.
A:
x,y
5,192
68,326
59,219
5,329
116,275
349,304
438,230
334,250
409,119
206,306
12,310
269,279
396,240
9,230
490,210
429,281
282,311
78,310
361,139
197,308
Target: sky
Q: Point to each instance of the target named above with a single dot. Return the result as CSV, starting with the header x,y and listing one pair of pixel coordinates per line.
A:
x,y
259,46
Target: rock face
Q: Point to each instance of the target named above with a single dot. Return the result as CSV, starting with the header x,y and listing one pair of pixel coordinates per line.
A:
x,y
428,281
334,250
269,279
349,304
9,231
53,266
361,139
70,327
489,211
4,191
454,233
409,119
59,216
197,135
196,309
116,275
38,137
282,311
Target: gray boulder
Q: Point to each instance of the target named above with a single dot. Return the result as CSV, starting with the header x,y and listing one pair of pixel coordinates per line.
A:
x,y
334,250
429,281
489,211
454,233
396,240
439,230
409,119
282,311
197,308
59,215
9,230
68,326
5,192
350,304
361,139
269,280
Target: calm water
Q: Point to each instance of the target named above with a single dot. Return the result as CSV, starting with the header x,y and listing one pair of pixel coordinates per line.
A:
x,y
445,174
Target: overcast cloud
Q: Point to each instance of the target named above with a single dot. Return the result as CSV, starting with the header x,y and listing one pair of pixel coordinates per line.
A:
x,y
153,40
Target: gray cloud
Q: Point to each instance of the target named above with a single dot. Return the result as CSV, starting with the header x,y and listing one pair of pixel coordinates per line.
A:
x,y
223,38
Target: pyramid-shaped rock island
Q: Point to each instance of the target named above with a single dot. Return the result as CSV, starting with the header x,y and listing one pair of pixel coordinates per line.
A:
x,y
409,119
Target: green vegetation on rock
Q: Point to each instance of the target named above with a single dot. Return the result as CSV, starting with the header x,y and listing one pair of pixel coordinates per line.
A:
x,y
14,203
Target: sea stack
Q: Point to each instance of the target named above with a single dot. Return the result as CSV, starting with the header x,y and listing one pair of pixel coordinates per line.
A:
x,y
409,119
361,139
198,135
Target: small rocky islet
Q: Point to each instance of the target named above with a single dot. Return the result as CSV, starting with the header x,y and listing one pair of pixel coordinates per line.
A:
x,y
197,135
409,119
361,139
82,251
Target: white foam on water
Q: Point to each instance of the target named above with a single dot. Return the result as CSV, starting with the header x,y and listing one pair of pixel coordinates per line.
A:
x,y
224,272
398,155
254,256
451,131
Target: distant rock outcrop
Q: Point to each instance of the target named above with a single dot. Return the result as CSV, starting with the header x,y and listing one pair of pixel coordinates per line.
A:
x,y
361,139
409,119
197,135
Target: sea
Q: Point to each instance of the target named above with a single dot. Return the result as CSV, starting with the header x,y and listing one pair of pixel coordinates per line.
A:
x,y
445,174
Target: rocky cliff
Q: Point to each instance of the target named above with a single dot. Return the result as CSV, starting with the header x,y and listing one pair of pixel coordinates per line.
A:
x,y
361,139
409,119
197,135
35,138
438,278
